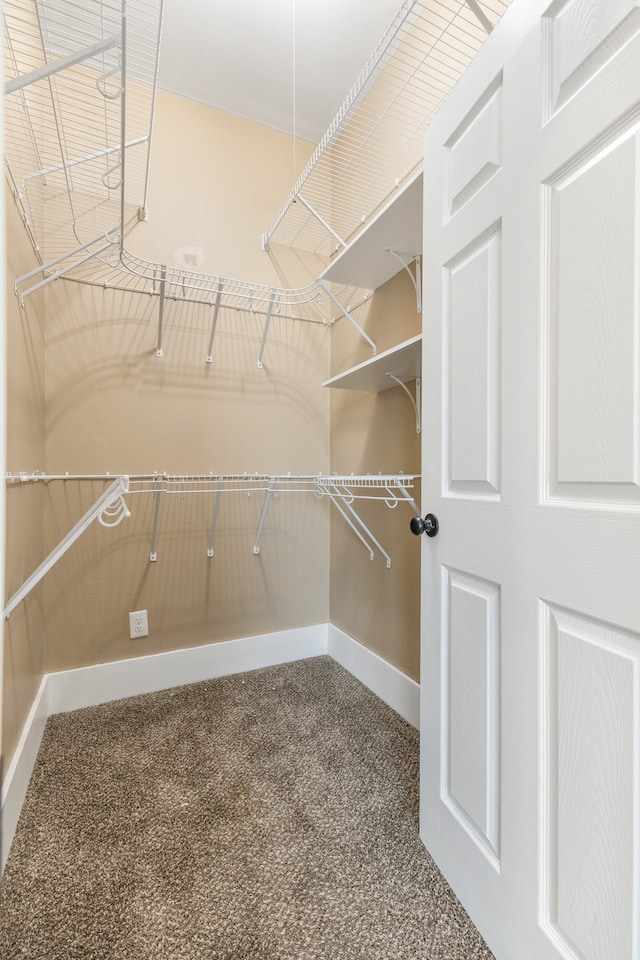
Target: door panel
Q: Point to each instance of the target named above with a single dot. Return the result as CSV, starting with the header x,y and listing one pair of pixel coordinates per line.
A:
x,y
530,656
593,370
581,37
472,379
471,708
475,148
590,706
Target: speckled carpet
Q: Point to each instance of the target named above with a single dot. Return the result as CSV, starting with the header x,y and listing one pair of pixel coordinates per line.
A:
x,y
266,816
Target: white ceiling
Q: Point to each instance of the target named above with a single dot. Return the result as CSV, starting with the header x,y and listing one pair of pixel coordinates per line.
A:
x,y
238,56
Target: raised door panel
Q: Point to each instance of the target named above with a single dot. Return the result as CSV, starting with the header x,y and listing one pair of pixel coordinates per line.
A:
x,y
470,771
593,326
472,370
581,36
474,151
590,705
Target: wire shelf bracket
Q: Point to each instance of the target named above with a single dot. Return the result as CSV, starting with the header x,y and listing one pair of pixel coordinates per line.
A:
x,y
214,519
266,329
347,314
214,323
163,287
109,509
272,488
321,220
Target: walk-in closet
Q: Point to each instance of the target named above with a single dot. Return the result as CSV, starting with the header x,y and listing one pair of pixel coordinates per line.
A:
x,y
254,371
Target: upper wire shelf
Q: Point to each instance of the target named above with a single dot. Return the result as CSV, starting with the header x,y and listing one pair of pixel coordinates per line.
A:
x,y
374,145
79,105
81,82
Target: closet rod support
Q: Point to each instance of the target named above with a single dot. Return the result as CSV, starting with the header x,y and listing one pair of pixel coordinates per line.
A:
x,y
336,502
405,493
364,527
414,403
52,68
344,313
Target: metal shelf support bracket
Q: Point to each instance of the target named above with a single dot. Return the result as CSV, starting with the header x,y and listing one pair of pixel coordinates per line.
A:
x,y
415,403
405,259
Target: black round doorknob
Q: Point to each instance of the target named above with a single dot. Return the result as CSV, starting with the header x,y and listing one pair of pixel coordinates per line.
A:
x,y
429,525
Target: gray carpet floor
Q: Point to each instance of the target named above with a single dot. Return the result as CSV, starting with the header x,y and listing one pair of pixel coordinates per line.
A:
x,y
271,815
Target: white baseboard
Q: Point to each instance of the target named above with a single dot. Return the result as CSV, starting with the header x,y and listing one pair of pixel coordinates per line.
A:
x,y
88,686
15,784
395,688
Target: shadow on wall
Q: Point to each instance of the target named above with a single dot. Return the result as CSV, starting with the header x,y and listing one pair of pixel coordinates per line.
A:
x,y
113,404
191,598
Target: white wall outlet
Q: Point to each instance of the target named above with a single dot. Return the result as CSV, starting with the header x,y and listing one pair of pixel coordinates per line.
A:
x,y
138,624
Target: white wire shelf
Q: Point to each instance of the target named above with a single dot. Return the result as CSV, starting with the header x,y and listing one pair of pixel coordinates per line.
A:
x,y
78,142
110,507
79,103
375,143
207,483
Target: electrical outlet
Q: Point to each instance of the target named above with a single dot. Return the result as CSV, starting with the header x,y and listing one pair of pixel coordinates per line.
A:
x,y
138,624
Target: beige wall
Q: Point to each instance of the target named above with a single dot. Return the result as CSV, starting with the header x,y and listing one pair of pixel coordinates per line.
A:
x,y
24,631
107,403
216,183
113,405
372,433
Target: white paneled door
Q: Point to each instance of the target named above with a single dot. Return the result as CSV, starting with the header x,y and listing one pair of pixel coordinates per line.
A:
x,y
530,710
